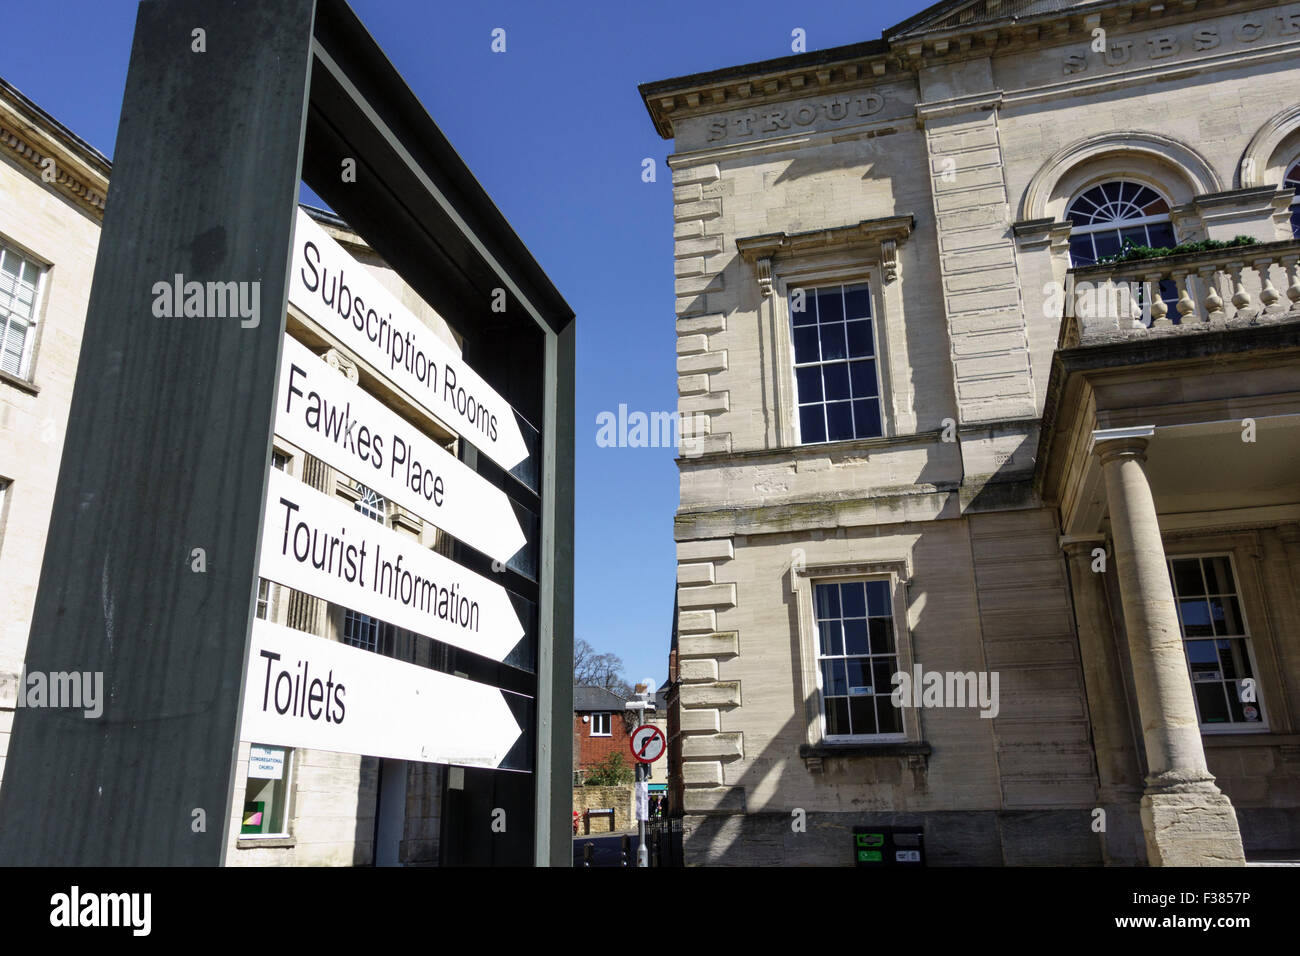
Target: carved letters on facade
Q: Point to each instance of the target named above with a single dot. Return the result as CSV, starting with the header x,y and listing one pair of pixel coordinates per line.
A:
x,y
836,109
1194,38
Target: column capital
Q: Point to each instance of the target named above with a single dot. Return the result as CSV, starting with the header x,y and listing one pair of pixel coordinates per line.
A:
x,y
1111,443
1082,545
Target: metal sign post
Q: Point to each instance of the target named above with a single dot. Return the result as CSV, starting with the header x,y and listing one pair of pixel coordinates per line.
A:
x,y
648,745
159,531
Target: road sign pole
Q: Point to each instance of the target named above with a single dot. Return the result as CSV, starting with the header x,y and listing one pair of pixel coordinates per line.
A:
x,y
642,854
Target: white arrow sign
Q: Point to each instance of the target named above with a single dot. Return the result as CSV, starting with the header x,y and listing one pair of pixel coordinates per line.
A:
x,y
347,301
307,691
316,544
324,414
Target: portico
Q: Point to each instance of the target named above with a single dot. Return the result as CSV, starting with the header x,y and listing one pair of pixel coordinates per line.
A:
x,y
1159,443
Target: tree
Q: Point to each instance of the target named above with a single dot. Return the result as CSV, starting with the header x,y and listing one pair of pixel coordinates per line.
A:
x,y
599,670
613,771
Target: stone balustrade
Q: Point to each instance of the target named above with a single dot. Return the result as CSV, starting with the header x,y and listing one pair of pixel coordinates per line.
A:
x,y
1243,285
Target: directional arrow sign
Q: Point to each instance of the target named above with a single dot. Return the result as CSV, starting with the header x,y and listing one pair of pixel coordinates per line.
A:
x,y
324,414
342,296
307,691
316,544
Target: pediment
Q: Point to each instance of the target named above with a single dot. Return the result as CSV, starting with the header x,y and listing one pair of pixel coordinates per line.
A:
x,y
966,14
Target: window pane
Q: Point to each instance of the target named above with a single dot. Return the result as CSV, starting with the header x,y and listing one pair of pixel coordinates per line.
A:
x,y
878,603
828,601
853,598
836,381
889,718
839,421
812,424
862,378
806,315
1107,243
859,335
862,713
1218,575
1233,659
1227,616
866,415
1160,235
832,337
809,381
1081,253
857,301
855,637
1196,618
882,635
1204,659
831,639
1187,577
859,669
805,344
837,715
1211,703
830,305
883,670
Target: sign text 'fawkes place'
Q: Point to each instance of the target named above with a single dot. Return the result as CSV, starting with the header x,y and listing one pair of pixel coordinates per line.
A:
x,y
318,545
340,295
327,416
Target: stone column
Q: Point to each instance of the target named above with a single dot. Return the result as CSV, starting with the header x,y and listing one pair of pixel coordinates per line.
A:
x,y
1119,776
1186,819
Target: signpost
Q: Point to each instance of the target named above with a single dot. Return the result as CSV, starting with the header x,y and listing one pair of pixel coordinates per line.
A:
x,y
648,745
169,511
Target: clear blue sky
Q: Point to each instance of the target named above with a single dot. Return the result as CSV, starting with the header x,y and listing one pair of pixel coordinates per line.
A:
x,y
556,132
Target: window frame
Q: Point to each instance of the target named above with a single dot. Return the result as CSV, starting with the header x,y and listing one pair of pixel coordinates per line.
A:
x,y
609,723
812,272
803,581
1245,727
31,344
290,764
1291,180
810,293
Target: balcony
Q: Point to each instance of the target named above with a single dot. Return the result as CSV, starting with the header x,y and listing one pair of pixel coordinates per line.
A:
x,y
1181,295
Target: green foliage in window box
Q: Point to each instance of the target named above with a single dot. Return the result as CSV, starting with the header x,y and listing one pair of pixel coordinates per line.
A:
x,y
1131,251
613,771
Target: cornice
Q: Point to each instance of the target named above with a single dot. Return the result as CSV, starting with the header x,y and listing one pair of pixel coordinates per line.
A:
x,y
756,248
31,136
992,29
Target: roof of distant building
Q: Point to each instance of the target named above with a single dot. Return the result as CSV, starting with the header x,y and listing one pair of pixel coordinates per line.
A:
x,y
586,698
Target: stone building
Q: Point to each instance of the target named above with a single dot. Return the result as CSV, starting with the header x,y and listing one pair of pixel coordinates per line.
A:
x,y
931,433
52,189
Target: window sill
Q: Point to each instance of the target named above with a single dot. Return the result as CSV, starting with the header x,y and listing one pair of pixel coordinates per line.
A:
x,y
250,843
917,752
20,383
1261,738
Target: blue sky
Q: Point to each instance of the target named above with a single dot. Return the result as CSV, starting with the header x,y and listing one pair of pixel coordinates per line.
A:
x,y
555,131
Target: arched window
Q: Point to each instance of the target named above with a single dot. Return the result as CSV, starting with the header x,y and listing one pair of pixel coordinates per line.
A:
x,y
1292,181
372,505
1105,216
